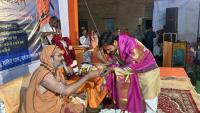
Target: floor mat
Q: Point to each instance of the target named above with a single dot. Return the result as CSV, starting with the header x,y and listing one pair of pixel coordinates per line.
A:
x,y
176,101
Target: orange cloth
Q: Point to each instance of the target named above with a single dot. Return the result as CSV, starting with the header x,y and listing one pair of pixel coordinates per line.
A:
x,y
173,72
43,10
96,53
167,54
94,56
49,102
93,89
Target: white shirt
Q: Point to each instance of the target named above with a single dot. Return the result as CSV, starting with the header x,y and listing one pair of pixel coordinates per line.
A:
x,y
156,50
48,28
85,40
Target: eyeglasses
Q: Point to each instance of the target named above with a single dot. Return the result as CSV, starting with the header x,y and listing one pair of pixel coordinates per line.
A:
x,y
59,55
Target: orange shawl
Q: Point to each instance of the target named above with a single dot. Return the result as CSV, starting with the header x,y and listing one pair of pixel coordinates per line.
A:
x,y
35,102
43,10
93,89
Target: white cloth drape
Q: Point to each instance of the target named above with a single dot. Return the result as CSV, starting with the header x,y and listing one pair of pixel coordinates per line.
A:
x,y
64,17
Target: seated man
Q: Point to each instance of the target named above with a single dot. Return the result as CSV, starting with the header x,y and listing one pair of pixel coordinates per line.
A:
x,y
47,86
85,41
62,42
53,26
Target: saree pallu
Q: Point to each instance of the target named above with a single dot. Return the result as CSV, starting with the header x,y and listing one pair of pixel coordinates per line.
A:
x,y
129,91
126,94
150,83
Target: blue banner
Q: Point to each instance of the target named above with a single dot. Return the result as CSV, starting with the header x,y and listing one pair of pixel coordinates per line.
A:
x,y
19,42
19,31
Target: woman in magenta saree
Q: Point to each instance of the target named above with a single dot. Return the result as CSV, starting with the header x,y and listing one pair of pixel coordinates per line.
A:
x,y
127,86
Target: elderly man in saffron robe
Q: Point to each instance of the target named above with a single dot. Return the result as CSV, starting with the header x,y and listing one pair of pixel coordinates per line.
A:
x,y
134,81
47,87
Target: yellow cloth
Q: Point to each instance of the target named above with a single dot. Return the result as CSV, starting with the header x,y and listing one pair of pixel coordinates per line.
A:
x,y
150,83
12,92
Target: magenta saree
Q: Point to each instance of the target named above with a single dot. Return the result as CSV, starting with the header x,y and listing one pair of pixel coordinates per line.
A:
x,y
127,95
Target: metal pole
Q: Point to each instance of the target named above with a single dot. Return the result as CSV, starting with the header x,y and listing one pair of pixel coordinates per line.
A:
x,y
196,62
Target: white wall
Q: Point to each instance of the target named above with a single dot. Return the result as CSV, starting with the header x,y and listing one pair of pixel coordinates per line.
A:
x,y
188,13
64,17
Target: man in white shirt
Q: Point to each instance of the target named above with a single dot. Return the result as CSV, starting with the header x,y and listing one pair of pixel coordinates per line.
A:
x,y
85,40
52,26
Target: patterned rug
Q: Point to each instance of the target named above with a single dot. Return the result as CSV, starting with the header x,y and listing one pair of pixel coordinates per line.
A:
x,y
169,101
176,101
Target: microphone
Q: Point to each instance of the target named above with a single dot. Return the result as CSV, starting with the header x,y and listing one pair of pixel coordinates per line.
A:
x,y
65,68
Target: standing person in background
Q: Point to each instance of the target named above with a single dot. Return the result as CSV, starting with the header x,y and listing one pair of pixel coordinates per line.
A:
x,y
160,35
126,32
53,26
117,31
139,34
81,31
84,39
149,36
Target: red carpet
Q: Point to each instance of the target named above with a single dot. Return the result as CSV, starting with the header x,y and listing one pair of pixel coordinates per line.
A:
x,y
176,101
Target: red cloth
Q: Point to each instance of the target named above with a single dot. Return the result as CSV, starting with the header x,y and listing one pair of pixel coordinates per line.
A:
x,y
91,34
69,55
